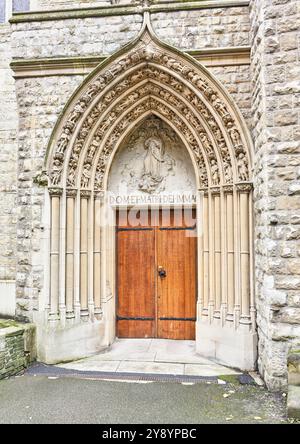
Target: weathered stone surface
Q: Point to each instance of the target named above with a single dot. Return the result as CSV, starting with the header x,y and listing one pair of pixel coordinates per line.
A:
x,y
294,367
183,29
294,188
275,118
12,356
62,4
8,161
17,347
293,402
30,343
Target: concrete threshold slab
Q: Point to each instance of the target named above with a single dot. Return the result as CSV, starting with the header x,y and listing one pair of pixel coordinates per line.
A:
x,y
151,356
208,370
151,367
92,366
181,358
117,356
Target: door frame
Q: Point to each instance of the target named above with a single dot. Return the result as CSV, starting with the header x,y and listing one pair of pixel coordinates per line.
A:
x,y
113,255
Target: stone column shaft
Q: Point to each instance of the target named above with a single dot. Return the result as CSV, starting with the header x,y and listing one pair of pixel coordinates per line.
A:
x,y
245,252
205,275
70,255
54,256
97,253
230,253
211,302
84,252
217,253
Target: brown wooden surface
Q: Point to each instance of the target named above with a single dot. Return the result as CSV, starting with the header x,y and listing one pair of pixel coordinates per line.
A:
x,y
176,292
142,293
136,283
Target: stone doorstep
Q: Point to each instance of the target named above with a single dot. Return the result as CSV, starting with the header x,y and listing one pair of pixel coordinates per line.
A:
x,y
293,402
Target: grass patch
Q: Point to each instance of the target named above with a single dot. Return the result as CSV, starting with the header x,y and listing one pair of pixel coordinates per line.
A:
x,y
230,379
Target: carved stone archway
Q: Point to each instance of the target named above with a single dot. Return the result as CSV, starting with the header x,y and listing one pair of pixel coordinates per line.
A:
x,y
148,77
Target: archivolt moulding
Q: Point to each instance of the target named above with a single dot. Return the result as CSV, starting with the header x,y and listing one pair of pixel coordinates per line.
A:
x,y
149,73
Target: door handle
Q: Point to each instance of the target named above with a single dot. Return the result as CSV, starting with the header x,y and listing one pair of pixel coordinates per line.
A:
x,y
162,272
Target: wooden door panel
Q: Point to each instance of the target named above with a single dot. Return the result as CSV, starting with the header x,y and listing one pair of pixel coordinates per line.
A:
x,y
135,329
177,291
136,283
150,306
176,330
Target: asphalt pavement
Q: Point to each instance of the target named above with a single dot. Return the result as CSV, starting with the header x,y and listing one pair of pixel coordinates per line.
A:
x,y
30,399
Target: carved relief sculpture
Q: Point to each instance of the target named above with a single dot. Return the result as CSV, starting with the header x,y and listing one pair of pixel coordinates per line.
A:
x,y
151,175
148,51
214,172
86,175
152,160
242,167
56,172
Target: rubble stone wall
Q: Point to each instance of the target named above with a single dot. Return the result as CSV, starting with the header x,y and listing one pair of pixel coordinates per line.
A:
x,y
275,89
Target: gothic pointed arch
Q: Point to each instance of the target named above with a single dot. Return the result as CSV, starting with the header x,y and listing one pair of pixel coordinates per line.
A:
x,y
149,78
148,75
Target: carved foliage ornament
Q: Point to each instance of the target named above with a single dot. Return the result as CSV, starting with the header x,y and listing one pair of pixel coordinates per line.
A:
x,y
151,55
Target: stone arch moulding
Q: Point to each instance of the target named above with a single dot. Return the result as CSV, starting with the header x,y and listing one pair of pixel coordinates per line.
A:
x,y
148,77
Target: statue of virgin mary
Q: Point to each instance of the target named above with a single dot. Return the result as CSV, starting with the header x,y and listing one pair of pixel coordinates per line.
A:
x,y
151,175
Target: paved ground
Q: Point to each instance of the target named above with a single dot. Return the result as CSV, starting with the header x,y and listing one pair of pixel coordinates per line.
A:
x,y
38,399
112,387
160,356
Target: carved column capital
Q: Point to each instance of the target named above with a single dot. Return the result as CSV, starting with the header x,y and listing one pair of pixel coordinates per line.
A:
x,y
85,194
244,187
228,189
71,192
215,190
203,191
99,194
55,191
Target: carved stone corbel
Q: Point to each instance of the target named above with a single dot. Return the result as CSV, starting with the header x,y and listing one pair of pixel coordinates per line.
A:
x,y
41,179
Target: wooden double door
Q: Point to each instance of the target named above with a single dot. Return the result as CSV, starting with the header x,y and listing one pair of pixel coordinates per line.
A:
x,y
156,274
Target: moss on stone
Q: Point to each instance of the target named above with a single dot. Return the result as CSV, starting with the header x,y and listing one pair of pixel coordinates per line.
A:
x,y
5,323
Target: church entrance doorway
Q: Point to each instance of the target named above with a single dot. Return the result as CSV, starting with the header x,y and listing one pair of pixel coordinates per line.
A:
x,y
156,273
